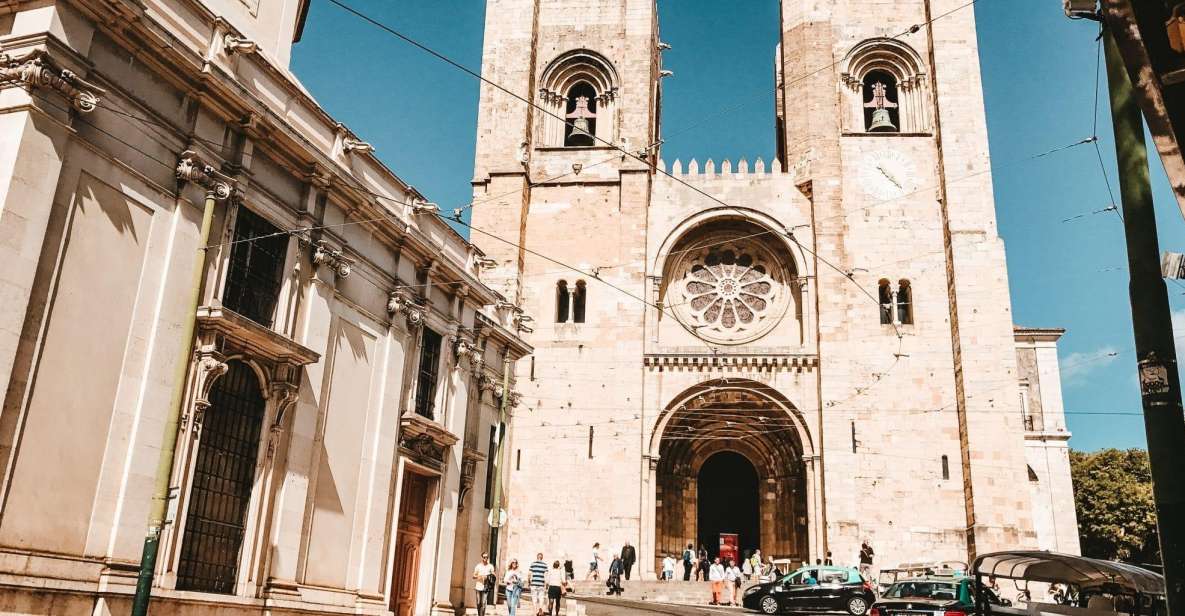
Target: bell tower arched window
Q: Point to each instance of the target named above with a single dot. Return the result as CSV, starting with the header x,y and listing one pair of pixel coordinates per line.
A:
x,y
561,301
579,90
881,111
900,104
904,303
578,298
581,116
885,299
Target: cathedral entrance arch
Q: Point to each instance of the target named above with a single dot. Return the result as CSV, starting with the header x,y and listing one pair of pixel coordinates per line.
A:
x,y
733,456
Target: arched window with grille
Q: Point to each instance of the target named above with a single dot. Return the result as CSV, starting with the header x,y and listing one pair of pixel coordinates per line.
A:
x,y
562,298
578,298
223,475
904,302
885,299
579,91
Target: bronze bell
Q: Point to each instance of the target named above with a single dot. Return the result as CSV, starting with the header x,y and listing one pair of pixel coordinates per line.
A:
x,y
580,127
881,123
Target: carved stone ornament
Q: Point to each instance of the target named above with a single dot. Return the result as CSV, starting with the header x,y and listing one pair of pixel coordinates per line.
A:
x,y
487,383
191,168
423,447
514,399
237,44
325,254
37,69
209,368
402,300
285,394
469,460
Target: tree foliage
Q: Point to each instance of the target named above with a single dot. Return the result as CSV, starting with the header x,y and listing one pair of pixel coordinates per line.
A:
x,y
1116,510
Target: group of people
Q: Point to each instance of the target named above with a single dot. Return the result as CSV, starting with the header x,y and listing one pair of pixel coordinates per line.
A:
x,y
547,583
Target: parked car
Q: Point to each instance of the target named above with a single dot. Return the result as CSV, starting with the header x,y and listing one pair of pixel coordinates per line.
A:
x,y
906,571
932,596
814,589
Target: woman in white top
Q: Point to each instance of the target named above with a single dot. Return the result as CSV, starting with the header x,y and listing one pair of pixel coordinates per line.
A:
x,y
514,586
555,588
594,563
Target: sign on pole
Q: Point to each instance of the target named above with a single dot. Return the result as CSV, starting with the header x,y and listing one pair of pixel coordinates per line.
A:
x,y
1172,265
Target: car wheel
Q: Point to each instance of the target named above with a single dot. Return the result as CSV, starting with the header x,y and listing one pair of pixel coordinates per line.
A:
x,y
857,606
769,605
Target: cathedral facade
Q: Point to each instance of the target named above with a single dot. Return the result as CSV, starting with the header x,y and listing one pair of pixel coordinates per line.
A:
x,y
808,350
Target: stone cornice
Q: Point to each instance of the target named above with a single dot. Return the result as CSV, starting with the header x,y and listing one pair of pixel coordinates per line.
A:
x,y
249,335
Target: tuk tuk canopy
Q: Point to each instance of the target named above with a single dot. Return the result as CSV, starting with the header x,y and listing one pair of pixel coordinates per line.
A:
x,y
1051,567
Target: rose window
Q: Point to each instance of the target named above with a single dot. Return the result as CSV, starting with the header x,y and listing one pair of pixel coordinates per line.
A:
x,y
728,291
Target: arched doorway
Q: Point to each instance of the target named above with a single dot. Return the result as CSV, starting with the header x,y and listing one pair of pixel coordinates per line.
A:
x,y
725,448
728,501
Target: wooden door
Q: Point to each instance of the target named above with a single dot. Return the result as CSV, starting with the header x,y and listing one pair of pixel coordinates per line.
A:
x,y
413,508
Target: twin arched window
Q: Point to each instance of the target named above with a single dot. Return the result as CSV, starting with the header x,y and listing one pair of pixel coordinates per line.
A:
x,y
579,88
886,88
570,302
895,307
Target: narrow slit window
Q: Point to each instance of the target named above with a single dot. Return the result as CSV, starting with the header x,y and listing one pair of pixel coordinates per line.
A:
x,y
518,459
561,301
578,299
904,302
590,442
490,456
945,467
853,437
532,367
885,295
430,343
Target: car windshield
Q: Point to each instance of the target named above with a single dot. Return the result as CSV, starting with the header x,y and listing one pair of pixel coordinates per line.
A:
x,y
927,590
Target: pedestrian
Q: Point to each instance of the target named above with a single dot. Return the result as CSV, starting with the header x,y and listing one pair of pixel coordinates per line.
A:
x,y
668,568
616,568
774,571
747,566
555,588
716,577
688,556
732,581
484,581
628,557
569,569
828,561
818,562
704,563
594,563
757,566
866,555
539,584
514,586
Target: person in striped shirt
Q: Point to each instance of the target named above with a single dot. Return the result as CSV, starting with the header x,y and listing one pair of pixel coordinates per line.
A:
x,y
538,573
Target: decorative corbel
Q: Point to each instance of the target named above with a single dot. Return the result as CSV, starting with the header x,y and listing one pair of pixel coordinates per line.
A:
x,y
209,368
324,253
514,399
402,300
37,69
233,44
357,145
191,168
285,394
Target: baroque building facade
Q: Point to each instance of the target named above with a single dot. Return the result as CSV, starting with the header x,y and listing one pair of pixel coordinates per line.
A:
x,y
808,351
345,391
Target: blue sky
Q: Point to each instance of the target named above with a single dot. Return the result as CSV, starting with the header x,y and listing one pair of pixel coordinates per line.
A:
x,y
1039,79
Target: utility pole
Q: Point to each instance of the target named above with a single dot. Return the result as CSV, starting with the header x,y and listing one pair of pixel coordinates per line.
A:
x,y
218,188
1160,386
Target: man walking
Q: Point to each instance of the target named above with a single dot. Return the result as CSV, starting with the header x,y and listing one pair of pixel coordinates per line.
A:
x,y
866,555
688,555
538,578
484,577
628,556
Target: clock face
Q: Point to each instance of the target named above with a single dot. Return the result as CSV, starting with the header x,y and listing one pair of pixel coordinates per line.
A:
x,y
886,174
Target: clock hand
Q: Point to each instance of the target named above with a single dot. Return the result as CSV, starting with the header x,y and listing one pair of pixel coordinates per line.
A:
x,y
889,176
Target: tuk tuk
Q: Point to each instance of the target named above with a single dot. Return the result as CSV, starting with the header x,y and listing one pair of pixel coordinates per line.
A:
x,y
906,571
1074,585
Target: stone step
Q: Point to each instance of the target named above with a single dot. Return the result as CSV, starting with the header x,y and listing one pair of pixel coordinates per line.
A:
x,y
687,593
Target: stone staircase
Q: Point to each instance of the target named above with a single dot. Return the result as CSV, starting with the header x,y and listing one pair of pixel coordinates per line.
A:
x,y
675,591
